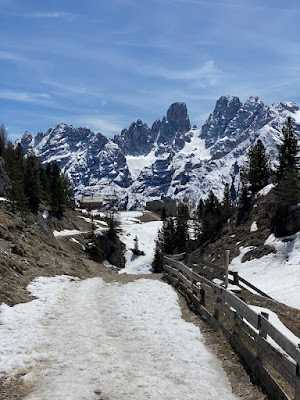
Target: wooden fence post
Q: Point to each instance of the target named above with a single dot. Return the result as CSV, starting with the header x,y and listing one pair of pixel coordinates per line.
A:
x,y
216,310
189,260
262,333
227,252
202,294
235,278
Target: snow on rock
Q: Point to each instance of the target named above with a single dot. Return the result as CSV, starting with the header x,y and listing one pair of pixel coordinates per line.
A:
x,y
277,274
131,344
146,234
137,163
67,232
74,240
106,263
46,214
266,190
253,227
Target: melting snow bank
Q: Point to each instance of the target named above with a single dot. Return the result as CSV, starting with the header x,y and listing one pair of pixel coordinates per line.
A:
x,y
83,338
276,274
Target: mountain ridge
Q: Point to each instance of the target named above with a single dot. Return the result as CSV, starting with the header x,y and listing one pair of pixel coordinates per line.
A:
x,y
170,158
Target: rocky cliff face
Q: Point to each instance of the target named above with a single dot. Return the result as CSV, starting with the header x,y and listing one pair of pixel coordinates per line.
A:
x,y
169,158
135,140
139,139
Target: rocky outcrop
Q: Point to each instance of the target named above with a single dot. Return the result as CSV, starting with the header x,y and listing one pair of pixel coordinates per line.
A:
x,y
249,118
225,110
135,140
139,139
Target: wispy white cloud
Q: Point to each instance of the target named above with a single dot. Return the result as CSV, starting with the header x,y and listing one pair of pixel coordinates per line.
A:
x,y
75,88
107,125
9,56
50,15
207,71
278,85
24,97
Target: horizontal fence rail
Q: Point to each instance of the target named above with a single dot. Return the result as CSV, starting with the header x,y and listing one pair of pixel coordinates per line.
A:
x,y
213,271
276,367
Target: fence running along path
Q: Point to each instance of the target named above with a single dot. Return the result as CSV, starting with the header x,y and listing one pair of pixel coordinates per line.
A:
x,y
277,368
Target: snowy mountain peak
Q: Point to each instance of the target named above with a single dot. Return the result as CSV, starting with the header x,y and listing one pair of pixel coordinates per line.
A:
x,y
177,115
168,158
225,110
27,142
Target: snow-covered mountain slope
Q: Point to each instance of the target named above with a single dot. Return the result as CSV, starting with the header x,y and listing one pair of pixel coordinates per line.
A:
x,y
169,158
93,162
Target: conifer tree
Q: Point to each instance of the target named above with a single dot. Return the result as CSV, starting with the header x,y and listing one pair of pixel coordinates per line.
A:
x,y
287,190
181,227
259,172
58,195
288,166
227,208
33,188
168,236
212,219
200,210
3,139
45,184
157,263
15,168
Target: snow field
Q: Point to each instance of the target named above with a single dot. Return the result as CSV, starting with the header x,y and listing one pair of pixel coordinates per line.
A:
x,y
278,274
146,232
83,339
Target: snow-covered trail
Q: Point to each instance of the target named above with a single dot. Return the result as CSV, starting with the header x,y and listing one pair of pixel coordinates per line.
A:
x,y
95,340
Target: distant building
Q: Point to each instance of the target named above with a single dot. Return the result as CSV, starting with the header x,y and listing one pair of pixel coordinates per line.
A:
x,y
166,203
111,202
91,202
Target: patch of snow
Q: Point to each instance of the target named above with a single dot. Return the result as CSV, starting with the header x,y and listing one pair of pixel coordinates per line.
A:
x,y
296,116
67,232
124,216
137,163
230,287
131,344
266,190
253,227
74,240
108,264
46,214
95,213
98,232
146,233
196,147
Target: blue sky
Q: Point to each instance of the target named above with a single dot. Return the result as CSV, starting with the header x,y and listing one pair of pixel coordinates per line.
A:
x,y
105,63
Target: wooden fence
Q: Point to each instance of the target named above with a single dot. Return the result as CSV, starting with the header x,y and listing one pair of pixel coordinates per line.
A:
x,y
277,368
212,271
